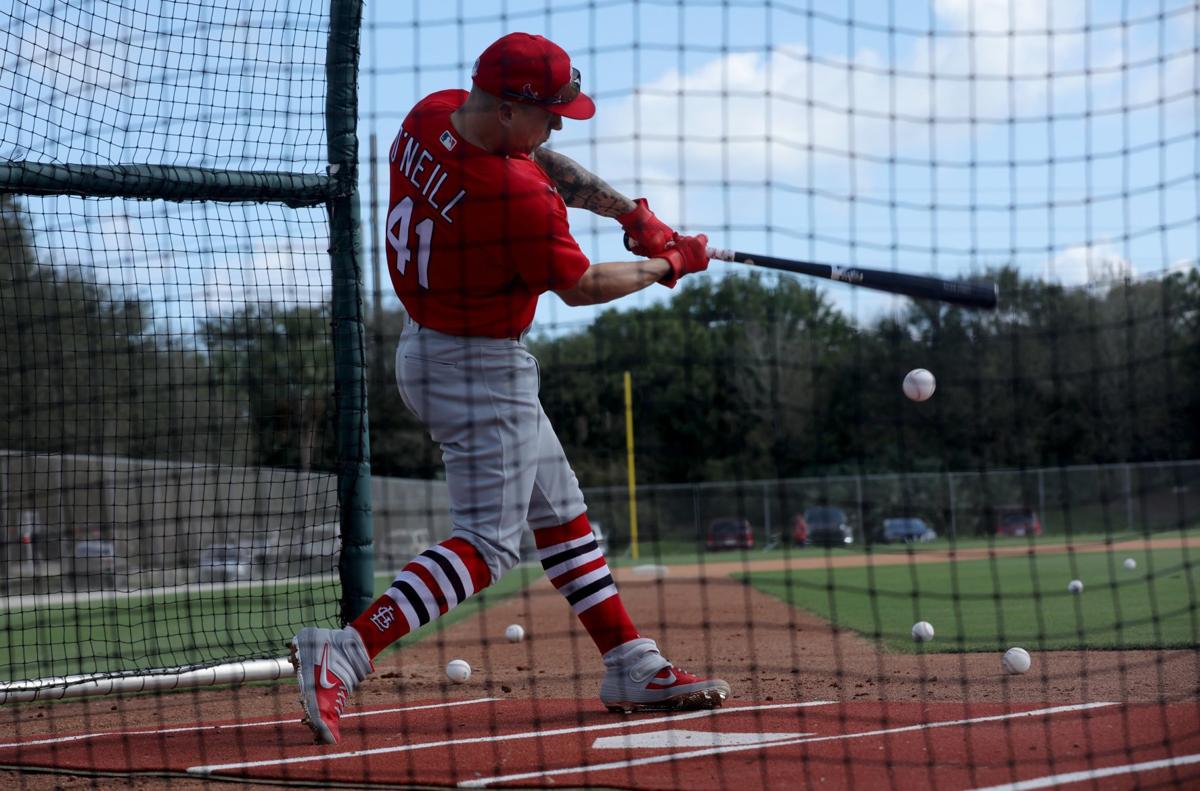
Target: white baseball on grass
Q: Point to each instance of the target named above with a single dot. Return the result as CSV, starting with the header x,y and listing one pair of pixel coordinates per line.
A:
x,y
919,384
922,631
1130,564
515,633
1075,586
1015,661
458,671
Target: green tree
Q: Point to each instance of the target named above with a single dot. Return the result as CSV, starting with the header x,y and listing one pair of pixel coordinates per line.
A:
x,y
726,376
1183,292
71,349
278,364
749,377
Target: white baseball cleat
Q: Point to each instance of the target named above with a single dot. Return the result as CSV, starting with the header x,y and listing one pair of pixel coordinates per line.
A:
x,y
329,664
639,678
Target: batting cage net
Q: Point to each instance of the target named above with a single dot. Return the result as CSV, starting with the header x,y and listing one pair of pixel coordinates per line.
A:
x,y
900,490
168,456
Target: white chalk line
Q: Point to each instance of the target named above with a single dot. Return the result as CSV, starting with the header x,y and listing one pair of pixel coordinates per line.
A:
x,y
1050,781
604,767
502,737
234,726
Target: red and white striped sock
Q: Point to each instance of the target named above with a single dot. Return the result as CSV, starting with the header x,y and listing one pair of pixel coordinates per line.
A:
x,y
433,583
577,568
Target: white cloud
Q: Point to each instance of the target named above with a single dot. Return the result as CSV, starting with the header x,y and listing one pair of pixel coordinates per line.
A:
x,y
1000,16
289,271
153,256
1183,265
1088,265
792,116
796,131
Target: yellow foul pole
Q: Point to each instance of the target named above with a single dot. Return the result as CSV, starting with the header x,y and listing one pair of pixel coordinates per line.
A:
x,y
633,536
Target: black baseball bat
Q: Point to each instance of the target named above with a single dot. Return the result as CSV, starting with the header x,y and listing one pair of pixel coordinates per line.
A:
x,y
983,294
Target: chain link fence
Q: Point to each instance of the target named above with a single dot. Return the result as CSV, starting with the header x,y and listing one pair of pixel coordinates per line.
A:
x,y
1114,499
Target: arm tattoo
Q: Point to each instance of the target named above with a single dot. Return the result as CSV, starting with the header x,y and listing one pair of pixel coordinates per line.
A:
x,y
581,189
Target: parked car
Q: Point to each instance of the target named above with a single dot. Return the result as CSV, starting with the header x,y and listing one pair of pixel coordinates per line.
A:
x,y
94,561
1014,520
315,549
729,533
907,530
828,526
264,549
225,563
799,531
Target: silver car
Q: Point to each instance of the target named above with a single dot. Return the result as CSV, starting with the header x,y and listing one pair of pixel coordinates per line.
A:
x,y
225,563
907,530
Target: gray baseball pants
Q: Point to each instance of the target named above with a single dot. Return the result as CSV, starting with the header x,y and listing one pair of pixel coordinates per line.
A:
x,y
505,468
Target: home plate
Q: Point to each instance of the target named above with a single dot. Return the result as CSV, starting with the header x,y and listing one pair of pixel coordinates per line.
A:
x,y
660,740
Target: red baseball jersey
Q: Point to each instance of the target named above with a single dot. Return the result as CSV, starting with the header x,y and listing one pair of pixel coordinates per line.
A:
x,y
473,238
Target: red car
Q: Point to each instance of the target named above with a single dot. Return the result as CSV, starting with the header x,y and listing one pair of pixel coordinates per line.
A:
x,y
1015,520
729,533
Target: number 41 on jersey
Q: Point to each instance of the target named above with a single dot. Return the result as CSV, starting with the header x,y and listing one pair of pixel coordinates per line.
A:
x,y
398,221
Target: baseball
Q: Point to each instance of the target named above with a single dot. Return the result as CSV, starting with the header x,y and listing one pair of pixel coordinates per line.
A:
x,y
1075,586
1015,661
458,671
515,633
922,631
1130,564
919,384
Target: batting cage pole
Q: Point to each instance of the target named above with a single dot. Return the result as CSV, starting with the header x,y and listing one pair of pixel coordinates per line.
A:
x,y
633,523
356,565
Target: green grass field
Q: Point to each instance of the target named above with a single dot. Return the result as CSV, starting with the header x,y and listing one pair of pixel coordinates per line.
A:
x,y
211,624
988,605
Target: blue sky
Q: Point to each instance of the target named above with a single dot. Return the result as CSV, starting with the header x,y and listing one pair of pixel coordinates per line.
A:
x,y
937,137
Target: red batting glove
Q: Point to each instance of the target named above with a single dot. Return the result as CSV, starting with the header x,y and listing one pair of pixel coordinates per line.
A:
x,y
645,234
690,254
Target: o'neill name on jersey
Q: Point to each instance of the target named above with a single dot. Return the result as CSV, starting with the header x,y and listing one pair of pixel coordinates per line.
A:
x,y
414,162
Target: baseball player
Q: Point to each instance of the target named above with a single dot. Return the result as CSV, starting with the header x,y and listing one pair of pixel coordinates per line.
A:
x,y
476,231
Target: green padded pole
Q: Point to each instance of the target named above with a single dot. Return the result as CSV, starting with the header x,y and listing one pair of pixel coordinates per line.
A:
x,y
349,348
165,182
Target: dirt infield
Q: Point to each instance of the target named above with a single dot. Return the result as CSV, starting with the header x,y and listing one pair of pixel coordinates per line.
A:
x,y
550,742
703,620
